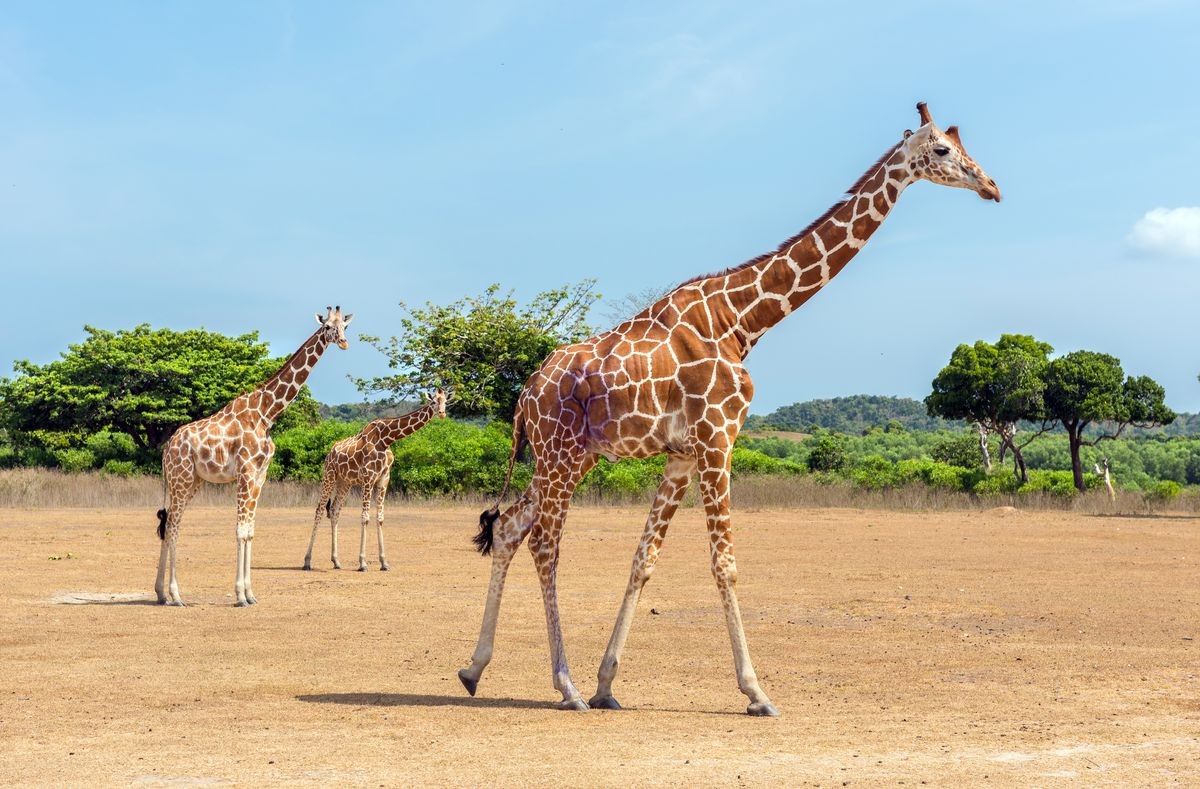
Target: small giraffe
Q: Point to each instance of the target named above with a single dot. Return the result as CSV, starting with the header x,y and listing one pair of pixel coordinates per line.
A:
x,y
234,444
366,460
671,381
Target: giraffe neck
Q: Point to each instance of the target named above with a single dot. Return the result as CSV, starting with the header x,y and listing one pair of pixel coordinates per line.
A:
x,y
277,393
385,432
761,293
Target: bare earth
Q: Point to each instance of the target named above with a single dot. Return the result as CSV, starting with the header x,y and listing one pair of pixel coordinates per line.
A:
x,y
999,648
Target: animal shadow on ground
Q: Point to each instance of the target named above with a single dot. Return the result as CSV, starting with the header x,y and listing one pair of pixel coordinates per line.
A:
x,y
434,700
418,700
102,598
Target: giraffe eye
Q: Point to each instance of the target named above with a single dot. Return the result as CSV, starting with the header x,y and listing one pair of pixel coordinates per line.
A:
x,y
941,150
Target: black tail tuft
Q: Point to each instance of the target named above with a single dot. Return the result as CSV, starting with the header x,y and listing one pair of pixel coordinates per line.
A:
x,y
483,540
329,508
162,524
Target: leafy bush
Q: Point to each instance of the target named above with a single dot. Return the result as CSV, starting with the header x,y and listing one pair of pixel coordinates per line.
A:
x,y
960,450
451,458
828,453
122,468
75,459
749,461
997,484
1164,491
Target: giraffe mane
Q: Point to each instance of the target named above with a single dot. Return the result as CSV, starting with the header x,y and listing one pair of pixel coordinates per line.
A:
x,y
846,197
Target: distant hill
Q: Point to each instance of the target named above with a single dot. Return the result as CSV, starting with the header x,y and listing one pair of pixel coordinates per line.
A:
x,y
355,412
857,413
852,414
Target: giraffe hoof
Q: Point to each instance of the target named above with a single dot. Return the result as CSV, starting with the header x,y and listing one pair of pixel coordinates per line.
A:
x,y
468,683
362,568
603,703
577,704
762,709
384,568
306,566
243,604
176,603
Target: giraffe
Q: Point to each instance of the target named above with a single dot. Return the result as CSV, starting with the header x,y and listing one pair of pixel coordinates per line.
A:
x,y
671,381
366,460
234,445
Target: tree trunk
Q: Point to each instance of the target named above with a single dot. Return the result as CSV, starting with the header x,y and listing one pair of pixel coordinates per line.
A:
x,y
1019,462
983,447
1075,435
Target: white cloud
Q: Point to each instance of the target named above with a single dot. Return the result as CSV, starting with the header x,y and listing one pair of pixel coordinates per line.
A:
x,y
1167,232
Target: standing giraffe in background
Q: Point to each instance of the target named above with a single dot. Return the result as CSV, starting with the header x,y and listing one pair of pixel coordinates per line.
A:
x,y
670,380
1104,472
366,460
235,444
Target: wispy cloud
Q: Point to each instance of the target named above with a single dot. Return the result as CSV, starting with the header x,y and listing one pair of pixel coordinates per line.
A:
x,y
1167,232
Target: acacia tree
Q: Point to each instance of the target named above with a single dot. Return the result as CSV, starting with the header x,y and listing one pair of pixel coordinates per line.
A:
x,y
142,382
995,386
1085,387
482,348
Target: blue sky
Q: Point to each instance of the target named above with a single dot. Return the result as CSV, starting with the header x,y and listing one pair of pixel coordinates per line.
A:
x,y
238,166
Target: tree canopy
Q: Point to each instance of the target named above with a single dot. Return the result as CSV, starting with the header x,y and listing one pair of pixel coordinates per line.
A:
x,y
996,386
1086,387
481,348
141,382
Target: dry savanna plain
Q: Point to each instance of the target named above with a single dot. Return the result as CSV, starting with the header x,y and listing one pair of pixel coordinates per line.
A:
x,y
978,647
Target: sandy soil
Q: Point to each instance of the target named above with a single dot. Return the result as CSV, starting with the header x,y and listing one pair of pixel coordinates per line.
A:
x,y
999,648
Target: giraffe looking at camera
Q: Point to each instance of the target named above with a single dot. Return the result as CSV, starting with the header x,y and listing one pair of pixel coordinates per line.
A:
x,y
234,445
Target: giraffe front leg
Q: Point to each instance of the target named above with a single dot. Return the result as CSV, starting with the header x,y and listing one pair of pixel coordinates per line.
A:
x,y
334,514
544,546
248,489
714,486
323,508
510,530
670,492
380,495
364,520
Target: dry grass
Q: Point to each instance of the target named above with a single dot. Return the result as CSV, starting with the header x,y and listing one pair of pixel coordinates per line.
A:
x,y
42,488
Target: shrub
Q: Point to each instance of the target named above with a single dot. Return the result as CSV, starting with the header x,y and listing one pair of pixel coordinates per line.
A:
x,y
960,450
74,459
1056,483
749,461
1164,491
122,468
997,485
828,453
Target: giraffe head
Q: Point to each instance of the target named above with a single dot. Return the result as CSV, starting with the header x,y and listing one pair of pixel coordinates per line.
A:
x,y
334,324
439,403
938,156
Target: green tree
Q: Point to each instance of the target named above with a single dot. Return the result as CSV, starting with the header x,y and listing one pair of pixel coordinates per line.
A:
x,y
1085,387
140,382
482,348
828,453
995,386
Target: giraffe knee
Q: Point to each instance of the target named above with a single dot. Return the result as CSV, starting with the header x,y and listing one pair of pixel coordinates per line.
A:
x,y
245,531
724,570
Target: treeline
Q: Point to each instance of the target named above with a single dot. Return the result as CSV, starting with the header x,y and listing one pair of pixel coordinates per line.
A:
x,y
853,414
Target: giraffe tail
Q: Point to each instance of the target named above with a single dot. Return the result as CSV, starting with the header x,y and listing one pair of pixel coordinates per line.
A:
x,y
162,524
486,537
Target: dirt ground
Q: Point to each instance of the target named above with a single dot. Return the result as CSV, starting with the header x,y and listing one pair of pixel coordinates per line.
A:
x,y
998,648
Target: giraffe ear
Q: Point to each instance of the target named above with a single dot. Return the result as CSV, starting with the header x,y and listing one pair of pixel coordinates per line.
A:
x,y
952,133
349,316
320,320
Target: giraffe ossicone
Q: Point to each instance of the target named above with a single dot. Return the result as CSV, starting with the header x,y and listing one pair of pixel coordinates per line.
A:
x,y
671,381
365,460
234,445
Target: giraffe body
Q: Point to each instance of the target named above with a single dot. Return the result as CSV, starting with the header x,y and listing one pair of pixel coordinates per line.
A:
x,y
234,445
671,381
365,461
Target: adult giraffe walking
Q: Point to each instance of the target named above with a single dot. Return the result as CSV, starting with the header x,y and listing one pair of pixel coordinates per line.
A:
x,y
670,380
235,444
